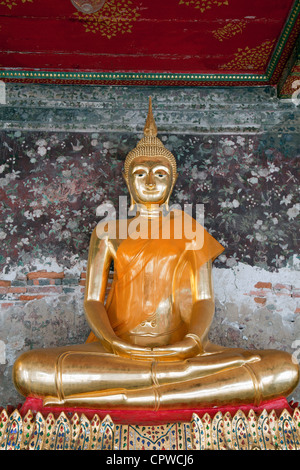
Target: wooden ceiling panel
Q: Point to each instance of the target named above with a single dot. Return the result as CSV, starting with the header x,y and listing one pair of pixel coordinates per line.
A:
x,y
148,41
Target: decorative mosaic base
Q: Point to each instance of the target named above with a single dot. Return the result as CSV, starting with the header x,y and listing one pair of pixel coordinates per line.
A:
x,y
251,431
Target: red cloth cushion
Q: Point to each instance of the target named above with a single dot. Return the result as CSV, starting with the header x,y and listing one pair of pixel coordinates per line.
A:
x,y
153,417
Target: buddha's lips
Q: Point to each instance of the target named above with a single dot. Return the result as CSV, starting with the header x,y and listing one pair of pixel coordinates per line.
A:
x,y
150,191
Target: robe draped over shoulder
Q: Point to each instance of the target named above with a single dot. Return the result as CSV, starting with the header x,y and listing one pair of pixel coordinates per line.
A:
x,y
151,265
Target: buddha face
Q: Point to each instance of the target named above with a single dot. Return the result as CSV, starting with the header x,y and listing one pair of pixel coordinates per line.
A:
x,y
150,180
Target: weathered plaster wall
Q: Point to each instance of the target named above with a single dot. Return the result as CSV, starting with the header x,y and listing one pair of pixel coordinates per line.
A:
x,y
62,151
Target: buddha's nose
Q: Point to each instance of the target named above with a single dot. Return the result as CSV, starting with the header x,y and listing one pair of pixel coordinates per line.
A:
x,y
150,180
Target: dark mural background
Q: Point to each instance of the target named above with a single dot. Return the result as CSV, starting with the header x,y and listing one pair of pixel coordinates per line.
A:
x,y
52,182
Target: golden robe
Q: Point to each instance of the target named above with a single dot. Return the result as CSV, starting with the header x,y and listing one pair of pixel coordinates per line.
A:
x,y
154,271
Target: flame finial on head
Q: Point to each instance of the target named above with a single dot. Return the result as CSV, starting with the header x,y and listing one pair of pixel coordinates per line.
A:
x,y
150,128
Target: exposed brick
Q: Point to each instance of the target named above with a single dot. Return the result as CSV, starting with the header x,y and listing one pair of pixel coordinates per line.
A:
x,y
19,283
45,275
282,286
5,283
260,300
263,285
7,304
70,281
68,290
83,275
296,292
4,290
297,310
30,297
260,293
36,274
16,290
44,282
54,282
44,289
82,282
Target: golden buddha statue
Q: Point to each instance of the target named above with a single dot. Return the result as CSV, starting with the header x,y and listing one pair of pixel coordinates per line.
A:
x,y
149,345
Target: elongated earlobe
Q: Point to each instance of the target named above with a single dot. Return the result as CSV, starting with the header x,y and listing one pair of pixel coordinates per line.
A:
x,y
166,204
132,204
132,201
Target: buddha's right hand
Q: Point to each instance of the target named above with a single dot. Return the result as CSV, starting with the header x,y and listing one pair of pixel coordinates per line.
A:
x,y
123,349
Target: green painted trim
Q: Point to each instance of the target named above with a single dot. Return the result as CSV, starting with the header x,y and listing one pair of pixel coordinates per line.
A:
x,y
290,23
96,76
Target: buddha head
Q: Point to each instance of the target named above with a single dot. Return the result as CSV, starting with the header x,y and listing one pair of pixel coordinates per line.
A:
x,y
150,169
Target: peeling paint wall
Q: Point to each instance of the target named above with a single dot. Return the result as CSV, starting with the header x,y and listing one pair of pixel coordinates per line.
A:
x,y
62,150
258,309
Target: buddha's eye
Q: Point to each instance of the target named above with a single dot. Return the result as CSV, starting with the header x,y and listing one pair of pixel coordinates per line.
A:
x,y
160,175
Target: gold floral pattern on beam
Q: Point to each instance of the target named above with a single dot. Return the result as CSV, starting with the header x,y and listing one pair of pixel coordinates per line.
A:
x,y
13,3
229,30
204,5
116,17
256,58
